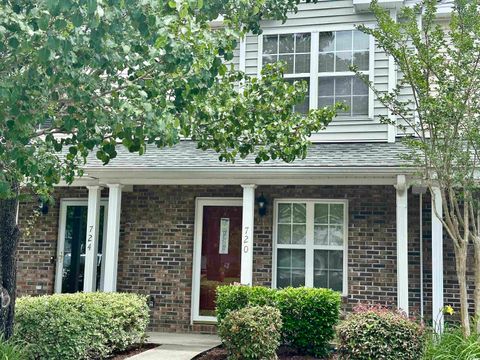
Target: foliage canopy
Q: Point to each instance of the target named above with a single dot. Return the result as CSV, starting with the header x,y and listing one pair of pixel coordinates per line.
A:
x,y
82,76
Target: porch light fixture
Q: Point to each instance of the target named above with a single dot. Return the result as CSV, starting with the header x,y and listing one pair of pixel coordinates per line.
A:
x,y
262,205
43,206
151,301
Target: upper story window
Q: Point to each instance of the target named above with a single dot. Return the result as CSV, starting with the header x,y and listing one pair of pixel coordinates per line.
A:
x,y
294,50
328,75
338,51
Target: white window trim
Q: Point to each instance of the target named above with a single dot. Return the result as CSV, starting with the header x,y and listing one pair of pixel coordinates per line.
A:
x,y
314,73
64,203
310,247
197,252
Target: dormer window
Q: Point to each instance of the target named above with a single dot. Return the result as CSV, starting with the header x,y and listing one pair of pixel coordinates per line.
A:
x,y
329,73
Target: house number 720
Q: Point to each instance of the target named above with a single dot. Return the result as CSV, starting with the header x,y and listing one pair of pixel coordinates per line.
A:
x,y
246,239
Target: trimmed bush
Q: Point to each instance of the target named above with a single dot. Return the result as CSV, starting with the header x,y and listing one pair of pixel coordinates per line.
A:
x,y
379,333
251,333
309,315
81,325
451,345
235,297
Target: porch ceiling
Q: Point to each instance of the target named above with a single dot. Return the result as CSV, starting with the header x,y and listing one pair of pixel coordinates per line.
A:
x,y
326,163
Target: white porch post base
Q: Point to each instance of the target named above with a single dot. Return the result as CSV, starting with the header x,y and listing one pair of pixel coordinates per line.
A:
x,y
112,237
246,271
93,218
437,261
402,243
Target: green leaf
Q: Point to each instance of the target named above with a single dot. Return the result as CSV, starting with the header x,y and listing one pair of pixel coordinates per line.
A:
x,y
43,21
91,6
44,54
77,19
13,42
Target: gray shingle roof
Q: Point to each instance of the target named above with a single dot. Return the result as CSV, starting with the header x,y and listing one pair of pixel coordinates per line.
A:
x,y
185,155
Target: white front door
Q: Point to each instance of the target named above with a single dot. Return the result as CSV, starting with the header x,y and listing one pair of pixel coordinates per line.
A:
x,y
71,246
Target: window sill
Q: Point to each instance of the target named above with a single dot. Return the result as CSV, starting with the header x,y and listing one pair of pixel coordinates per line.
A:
x,y
352,118
204,322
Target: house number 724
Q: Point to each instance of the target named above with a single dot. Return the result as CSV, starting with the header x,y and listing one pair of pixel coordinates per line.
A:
x,y
90,237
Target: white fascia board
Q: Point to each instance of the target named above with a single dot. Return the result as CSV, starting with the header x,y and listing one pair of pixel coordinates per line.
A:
x,y
364,5
444,9
266,176
136,172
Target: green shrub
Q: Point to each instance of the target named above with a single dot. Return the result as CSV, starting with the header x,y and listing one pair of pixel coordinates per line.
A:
x,y
451,345
251,333
309,315
235,297
10,350
379,333
81,325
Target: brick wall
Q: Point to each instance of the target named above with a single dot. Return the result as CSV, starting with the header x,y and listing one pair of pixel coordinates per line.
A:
x,y
156,246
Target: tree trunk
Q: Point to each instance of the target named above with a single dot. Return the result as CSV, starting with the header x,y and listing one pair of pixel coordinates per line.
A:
x,y
461,267
9,237
476,245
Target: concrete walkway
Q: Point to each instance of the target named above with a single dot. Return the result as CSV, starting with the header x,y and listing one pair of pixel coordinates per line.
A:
x,y
175,346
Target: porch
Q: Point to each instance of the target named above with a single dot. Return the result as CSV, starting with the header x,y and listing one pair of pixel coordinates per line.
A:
x,y
152,232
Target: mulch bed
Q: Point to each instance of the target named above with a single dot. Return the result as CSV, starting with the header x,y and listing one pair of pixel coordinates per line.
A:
x,y
284,353
137,349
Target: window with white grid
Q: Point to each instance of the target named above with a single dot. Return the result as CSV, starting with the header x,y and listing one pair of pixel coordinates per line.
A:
x,y
294,50
328,74
310,243
338,51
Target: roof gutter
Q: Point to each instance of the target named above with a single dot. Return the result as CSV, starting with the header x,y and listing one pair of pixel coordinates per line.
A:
x,y
231,176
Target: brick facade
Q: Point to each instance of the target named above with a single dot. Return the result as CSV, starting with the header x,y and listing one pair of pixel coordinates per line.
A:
x,y
156,246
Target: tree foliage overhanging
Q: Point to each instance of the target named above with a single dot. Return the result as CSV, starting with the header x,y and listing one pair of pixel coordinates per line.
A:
x,y
85,75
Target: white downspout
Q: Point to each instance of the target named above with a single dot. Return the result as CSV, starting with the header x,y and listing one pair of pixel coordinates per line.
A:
x,y
420,190
421,257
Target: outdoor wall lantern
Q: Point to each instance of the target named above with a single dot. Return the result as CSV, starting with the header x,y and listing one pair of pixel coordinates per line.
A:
x,y
43,206
262,205
151,301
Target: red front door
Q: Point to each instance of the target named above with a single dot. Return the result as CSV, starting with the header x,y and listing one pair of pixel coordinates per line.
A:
x,y
220,265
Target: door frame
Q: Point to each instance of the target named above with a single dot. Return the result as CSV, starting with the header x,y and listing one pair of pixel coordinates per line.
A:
x,y
64,203
200,203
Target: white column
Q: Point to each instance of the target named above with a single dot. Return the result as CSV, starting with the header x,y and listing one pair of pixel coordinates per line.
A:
x,y
93,218
402,243
437,260
112,237
246,271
